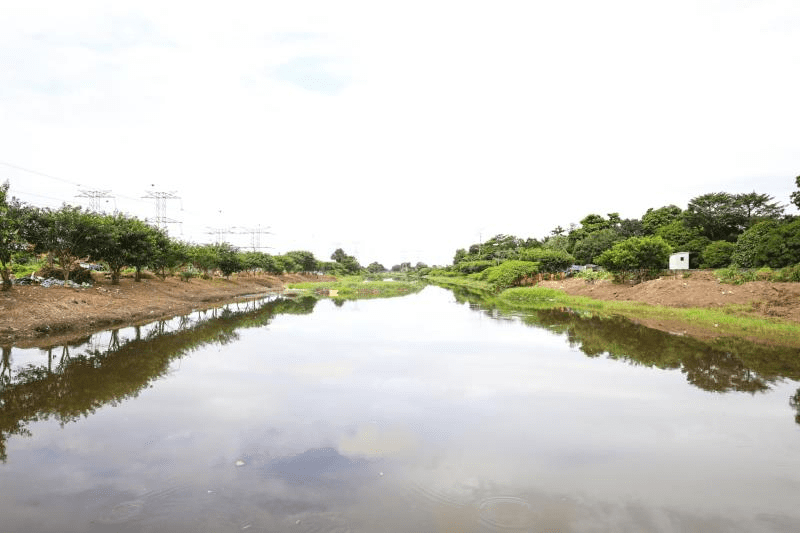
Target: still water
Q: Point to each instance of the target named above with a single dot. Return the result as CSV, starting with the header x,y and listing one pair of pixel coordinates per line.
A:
x,y
429,412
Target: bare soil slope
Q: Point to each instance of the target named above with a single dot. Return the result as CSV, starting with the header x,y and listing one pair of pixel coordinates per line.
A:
x,y
700,289
32,315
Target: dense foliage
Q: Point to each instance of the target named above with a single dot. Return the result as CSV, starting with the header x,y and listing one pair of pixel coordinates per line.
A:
x,y
717,229
69,236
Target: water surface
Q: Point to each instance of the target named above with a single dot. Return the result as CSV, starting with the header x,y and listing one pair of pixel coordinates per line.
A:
x,y
429,412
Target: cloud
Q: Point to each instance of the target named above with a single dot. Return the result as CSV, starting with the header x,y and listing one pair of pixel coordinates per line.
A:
x,y
409,127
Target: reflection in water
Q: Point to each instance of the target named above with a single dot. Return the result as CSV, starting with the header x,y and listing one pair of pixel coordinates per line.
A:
x,y
720,365
406,415
81,376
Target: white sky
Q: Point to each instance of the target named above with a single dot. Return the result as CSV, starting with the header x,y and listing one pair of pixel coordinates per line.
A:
x,y
399,131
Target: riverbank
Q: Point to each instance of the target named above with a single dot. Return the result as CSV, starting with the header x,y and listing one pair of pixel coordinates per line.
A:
x,y
33,315
697,305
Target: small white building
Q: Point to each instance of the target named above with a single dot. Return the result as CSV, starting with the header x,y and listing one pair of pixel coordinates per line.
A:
x,y
679,261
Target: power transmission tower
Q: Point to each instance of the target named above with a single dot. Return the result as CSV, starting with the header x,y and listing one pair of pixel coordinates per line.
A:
x,y
161,198
94,198
255,236
219,232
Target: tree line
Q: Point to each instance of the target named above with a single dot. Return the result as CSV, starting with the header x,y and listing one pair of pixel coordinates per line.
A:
x,y
69,235
718,229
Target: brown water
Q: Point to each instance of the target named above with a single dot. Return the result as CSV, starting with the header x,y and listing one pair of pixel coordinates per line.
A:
x,y
430,412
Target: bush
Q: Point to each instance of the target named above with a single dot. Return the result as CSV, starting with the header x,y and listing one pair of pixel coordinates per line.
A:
x,y
788,274
735,276
549,260
471,267
718,254
637,253
508,274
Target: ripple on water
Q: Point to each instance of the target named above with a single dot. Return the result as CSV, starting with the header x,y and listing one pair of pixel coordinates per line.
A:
x,y
121,512
505,513
326,522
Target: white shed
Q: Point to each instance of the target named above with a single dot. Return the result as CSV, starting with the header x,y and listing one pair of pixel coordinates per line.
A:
x,y
679,261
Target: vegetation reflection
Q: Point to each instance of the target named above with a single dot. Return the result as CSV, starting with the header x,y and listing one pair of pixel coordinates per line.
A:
x,y
724,364
80,377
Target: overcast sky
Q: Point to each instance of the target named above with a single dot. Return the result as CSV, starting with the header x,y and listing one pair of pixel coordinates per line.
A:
x,y
398,131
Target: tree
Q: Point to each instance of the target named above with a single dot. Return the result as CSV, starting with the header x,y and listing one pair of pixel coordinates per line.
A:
x,y
750,249
304,260
654,219
719,216
168,254
203,257
795,196
123,241
590,247
228,260
757,207
768,243
65,233
375,267
685,239
11,239
347,264
636,253
556,242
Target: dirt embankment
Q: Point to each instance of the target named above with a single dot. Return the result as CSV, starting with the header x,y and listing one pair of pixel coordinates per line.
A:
x,y
32,315
700,289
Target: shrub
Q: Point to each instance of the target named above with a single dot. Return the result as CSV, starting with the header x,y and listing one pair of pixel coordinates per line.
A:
x,y
508,274
637,253
718,254
471,267
549,260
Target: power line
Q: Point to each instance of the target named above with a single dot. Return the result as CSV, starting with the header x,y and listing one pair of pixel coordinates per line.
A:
x,y
17,167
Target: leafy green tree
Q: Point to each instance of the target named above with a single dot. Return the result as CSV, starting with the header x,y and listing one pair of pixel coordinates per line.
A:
x,y
375,267
168,254
751,247
305,260
347,264
718,254
684,239
795,196
204,258
719,216
630,227
122,241
66,234
636,253
590,247
769,243
11,238
228,260
654,219
556,242
461,255
285,263
757,207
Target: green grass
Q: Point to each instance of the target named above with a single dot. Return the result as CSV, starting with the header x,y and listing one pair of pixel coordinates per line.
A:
x,y
460,281
727,321
357,288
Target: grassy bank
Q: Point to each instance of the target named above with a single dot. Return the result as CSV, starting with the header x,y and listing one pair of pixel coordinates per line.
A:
x,y
358,288
727,321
